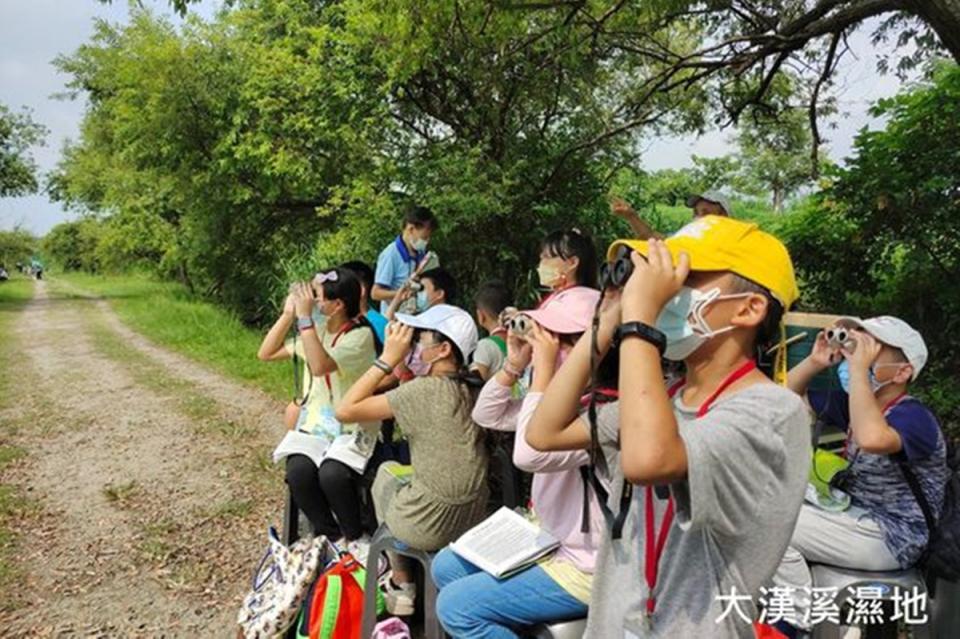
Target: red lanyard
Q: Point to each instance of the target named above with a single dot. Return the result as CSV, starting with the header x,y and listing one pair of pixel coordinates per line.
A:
x,y
326,378
655,544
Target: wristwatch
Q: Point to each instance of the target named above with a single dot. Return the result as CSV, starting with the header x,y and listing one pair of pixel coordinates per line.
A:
x,y
304,323
644,331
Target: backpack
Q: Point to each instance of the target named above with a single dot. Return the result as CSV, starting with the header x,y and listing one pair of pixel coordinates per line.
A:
x,y
334,608
280,583
941,558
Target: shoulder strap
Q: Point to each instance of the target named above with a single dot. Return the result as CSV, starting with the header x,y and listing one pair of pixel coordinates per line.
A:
x,y
501,344
918,494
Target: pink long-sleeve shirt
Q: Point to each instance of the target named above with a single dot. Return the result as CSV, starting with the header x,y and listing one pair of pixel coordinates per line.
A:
x,y
557,490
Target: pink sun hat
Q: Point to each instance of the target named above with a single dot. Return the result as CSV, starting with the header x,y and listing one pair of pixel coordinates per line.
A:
x,y
569,311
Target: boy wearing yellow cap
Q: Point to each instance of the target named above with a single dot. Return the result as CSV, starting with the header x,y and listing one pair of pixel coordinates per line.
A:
x,y
708,476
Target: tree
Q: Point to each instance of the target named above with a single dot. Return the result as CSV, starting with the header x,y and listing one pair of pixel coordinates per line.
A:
x,y
883,238
16,246
774,156
18,132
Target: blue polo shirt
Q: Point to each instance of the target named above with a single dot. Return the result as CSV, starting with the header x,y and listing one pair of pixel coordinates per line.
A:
x,y
394,267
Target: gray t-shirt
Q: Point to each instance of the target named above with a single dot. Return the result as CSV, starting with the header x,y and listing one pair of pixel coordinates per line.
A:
x,y
489,354
748,459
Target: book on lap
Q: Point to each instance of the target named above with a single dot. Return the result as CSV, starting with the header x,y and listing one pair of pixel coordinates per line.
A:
x,y
504,543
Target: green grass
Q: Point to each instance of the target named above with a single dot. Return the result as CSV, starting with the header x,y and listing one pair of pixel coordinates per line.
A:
x,y
166,313
14,295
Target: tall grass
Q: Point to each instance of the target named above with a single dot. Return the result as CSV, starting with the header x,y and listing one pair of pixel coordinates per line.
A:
x,y
168,314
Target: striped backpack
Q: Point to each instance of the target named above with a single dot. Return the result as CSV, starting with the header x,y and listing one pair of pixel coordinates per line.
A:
x,y
334,607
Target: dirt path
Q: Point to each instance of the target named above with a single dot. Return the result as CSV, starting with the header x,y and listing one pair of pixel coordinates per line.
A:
x,y
150,475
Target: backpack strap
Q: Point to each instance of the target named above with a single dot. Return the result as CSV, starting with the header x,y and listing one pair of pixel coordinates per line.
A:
x,y
918,495
500,342
330,610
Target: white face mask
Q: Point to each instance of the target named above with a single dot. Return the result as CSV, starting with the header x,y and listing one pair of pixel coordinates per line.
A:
x,y
419,244
682,321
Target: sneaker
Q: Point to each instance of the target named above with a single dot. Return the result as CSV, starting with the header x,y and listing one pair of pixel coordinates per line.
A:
x,y
401,600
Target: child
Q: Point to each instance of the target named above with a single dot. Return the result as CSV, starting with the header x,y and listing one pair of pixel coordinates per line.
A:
x,y
437,286
377,321
399,260
728,453
448,492
567,259
491,299
884,528
473,603
336,349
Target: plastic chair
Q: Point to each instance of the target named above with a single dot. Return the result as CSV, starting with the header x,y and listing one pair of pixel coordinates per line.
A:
x,y
383,541
572,629
846,581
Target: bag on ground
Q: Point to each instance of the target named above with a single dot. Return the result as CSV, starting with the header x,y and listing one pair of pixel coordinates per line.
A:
x,y
280,584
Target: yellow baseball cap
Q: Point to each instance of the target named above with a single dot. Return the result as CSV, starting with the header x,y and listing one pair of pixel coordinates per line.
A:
x,y
718,243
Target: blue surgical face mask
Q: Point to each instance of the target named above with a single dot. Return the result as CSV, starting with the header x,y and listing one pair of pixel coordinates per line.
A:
x,y
843,374
681,321
422,302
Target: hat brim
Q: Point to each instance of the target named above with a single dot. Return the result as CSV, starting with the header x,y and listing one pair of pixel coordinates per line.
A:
x,y
698,261
415,321
554,323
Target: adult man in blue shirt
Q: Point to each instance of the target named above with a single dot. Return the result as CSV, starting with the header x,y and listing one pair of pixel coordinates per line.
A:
x,y
399,260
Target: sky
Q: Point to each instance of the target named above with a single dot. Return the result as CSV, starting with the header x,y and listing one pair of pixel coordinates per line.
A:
x,y
34,32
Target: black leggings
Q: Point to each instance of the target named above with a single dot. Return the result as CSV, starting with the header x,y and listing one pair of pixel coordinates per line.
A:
x,y
328,496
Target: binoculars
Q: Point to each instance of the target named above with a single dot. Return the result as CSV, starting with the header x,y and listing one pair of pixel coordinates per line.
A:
x,y
520,324
838,337
616,273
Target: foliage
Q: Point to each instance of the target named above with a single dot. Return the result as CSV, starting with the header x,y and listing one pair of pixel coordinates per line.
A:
x,y
883,238
74,245
221,152
18,132
16,246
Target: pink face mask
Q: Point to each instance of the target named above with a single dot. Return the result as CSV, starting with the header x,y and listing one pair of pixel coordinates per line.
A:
x,y
416,364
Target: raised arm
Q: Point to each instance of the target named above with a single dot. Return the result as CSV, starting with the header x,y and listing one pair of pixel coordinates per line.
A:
x,y
496,407
821,357
641,230
272,347
870,428
651,449
555,424
318,359
360,404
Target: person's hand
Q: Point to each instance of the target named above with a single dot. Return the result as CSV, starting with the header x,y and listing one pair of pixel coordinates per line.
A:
x,y
398,343
406,291
305,301
289,306
546,345
823,354
621,208
506,315
864,354
654,281
519,351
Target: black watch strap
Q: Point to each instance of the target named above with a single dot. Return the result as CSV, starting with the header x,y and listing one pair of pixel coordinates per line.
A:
x,y
644,331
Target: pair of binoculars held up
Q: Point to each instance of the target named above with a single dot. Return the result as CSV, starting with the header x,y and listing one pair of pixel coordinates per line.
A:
x,y
520,324
615,274
839,337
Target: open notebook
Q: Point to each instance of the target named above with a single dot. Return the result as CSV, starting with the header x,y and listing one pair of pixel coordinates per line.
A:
x,y
504,543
